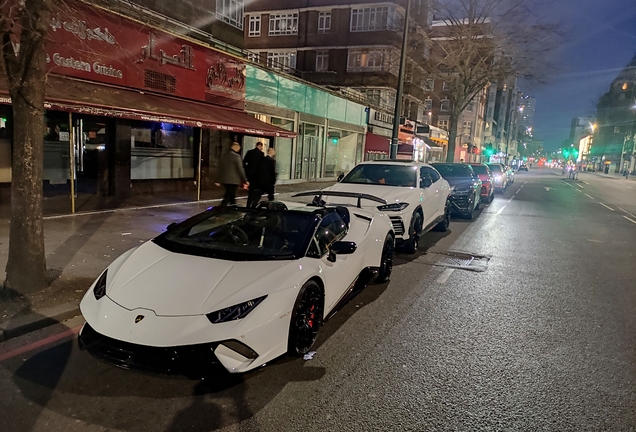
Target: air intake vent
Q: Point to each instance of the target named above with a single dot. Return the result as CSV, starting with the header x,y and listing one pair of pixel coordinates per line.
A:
x,y
160,81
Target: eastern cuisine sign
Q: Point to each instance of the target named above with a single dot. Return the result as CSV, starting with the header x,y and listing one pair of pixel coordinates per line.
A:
x,y
90,43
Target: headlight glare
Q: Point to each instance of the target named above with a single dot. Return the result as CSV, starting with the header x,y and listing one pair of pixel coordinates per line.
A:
x,y
235,312
393,207
99,290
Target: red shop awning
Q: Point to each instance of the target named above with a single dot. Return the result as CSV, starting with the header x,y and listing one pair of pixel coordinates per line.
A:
x,y
376,144
97,99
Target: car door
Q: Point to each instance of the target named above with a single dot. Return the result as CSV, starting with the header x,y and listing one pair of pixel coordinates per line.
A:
x,y
433,195
340,273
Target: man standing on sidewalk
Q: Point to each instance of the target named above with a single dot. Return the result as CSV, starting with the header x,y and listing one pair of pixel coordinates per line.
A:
x,y
252,162
231,174
269,173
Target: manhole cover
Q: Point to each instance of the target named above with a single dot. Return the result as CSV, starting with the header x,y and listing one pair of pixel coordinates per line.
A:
x,y
458,260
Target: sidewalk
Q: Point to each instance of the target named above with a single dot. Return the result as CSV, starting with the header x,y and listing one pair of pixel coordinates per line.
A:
x,y
79,247
611,175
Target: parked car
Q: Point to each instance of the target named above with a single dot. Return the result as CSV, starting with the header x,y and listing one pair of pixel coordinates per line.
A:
x,y
234,286
416,194
523,167
466,194
487,182
499,176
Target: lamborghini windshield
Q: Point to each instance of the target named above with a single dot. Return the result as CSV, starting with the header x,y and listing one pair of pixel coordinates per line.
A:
x,y
383,174
240,234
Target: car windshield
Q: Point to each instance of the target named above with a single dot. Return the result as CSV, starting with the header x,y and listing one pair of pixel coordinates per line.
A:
x,y
382,174
453,170
240,234
480,169
495,168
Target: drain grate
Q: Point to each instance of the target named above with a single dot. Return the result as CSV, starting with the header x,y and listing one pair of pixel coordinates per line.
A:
x,y
457,260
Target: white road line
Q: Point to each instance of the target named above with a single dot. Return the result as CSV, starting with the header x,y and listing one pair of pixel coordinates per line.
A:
x,y
445,275
585,182
500,210
630,219
607,207
580,186
569,185
589,196
625,211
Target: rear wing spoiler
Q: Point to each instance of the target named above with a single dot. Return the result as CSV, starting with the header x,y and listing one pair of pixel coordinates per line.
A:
x,y
359,196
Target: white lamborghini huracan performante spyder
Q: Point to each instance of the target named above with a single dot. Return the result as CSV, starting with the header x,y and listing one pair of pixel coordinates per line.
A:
x,y
235,286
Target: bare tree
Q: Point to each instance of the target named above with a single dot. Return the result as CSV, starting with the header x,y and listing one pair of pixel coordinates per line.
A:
x,y
23,26
484,42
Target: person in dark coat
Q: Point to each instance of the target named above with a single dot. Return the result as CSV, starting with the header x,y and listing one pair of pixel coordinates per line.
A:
x,y
231,174
269,173
251,163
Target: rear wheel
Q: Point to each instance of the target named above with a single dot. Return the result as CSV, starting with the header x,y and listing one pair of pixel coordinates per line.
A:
x,y
386,261
306,319
413,242
445,223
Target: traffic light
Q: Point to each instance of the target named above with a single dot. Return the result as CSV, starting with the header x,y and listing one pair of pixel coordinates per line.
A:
x,y
489,151
566,153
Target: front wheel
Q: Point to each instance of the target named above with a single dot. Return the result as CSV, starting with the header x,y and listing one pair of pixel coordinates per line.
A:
x,y
413,242
386,261
306,319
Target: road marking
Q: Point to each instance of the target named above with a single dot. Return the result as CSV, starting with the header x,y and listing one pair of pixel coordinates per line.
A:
x,y
511,198
40,343
580,186
500,210
589,196
595,241
625,211
547,189
585,182
630,219
569,185
445,275
607,207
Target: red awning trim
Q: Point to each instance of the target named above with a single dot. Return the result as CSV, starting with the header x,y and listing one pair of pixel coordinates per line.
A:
x,y
84,97
376,144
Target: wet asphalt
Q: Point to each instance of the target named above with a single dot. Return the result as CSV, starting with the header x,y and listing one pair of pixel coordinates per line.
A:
x,y
544,339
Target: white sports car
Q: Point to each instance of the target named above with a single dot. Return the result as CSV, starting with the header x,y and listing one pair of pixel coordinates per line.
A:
x,y
235,285
416,194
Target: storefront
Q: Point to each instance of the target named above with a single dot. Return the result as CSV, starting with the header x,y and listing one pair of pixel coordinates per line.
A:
x,y
132,109
330,129
378,140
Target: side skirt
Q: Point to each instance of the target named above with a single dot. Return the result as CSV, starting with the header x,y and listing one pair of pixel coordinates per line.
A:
x,y
363,279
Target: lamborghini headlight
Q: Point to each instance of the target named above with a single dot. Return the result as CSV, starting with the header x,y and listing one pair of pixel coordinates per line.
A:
x,y
393,207
99,290
235,312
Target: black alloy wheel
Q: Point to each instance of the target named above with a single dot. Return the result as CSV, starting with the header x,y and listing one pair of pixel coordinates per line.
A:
x,y
445,223
306,319
412,244
386,261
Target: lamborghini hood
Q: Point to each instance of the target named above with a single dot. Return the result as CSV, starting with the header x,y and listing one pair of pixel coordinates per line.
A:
x,y
172,284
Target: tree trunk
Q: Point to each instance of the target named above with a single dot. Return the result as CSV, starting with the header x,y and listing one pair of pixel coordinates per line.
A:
x,y
452,138
26,266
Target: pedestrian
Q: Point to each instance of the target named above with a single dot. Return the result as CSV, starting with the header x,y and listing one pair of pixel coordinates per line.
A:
x,y
251,164
269,173
231,174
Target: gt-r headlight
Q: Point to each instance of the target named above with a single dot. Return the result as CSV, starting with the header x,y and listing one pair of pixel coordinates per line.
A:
x,y
393,207
100,286
234,312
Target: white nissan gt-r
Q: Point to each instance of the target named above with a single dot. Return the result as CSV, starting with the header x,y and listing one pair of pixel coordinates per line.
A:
x,y
235,286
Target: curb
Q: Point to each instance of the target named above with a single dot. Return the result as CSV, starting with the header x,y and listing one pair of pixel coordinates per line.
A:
x,y
24,324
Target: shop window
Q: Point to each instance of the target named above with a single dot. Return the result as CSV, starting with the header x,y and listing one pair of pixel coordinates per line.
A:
x,y
324,22
342,152
255,26
283,24
231,12
161,151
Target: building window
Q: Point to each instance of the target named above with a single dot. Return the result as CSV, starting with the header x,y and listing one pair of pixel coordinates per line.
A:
x,y
468,128
367,60
408,73
231,12
442,124
617,129
445,105
283,24
469,107
283,61
324,22
445,86
253,57
322,61
428,104
429,84
254,29
372,18
374,96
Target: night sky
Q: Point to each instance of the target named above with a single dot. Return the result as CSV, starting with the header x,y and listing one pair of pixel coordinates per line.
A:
x,y
600,40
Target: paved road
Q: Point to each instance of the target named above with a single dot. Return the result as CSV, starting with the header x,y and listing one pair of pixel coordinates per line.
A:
x,y
544,339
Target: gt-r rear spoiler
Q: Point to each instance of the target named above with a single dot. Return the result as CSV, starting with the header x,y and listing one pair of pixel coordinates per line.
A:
x,y
359,196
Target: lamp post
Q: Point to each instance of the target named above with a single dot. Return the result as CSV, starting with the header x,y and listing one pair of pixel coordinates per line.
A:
x,y
400,86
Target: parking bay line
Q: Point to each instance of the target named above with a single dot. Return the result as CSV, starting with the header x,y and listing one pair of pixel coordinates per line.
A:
x,y
607,207
500,210
630,219
589,196
445,275
625,211
585,182
580,186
